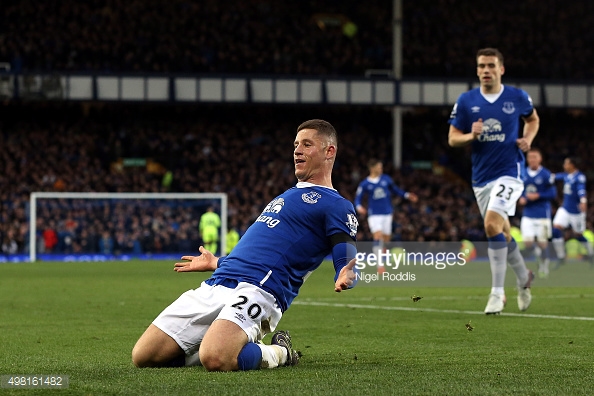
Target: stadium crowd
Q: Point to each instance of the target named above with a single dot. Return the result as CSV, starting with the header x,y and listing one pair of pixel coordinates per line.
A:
x,y
306,37
254,36
78,148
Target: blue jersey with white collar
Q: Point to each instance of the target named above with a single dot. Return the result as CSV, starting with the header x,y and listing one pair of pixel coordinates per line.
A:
x,y
539,181
379,191
289,240
574,188
494,153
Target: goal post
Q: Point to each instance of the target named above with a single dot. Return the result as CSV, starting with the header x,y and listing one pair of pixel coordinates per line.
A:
x,y
187,202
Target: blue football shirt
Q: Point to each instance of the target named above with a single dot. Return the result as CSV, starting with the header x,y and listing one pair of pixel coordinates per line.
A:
x,y
379,192
289,240
574,188
494,153
539,181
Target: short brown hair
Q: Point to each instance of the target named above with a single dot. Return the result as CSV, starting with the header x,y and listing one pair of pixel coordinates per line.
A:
x,y
372,162
322,127
490,52
575,161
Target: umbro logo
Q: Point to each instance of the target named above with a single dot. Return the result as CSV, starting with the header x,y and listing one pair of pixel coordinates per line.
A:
x,y
475,109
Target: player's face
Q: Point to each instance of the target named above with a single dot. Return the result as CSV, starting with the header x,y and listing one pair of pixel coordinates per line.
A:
x,y
568,166
489,72
534,159
377,169
309,155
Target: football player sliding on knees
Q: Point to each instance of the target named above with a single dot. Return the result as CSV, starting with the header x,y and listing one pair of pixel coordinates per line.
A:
x,y
221,324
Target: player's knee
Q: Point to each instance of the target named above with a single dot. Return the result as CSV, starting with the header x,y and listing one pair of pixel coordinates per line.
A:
x,y
493,228
139,358
215,362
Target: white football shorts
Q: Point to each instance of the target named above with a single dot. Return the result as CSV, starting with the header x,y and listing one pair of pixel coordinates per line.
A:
x,y
541,229
565,219
188,318
500,196
381,223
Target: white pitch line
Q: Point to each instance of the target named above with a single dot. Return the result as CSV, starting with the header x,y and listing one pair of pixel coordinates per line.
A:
x,y
458,298
455,311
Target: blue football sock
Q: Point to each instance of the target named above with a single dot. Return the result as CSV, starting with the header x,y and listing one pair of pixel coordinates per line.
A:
x,y
250,357
179,361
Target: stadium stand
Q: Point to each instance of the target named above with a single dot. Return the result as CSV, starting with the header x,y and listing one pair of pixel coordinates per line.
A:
x,y
67,149
264,36
306,37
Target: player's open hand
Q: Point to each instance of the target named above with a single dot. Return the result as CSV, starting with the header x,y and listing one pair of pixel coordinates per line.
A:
x,y
361,210
205,262
477,128
346,277
412,197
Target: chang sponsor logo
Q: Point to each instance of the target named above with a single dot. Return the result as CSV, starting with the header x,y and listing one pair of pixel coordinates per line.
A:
x,y
491,131
270,221
275,206
379,193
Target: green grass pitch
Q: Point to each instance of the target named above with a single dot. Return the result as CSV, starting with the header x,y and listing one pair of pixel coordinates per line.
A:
x,y
82,319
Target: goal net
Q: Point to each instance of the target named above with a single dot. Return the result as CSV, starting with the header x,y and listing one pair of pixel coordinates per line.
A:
x,y
73,226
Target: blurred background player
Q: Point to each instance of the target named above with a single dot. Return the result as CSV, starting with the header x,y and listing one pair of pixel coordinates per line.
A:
x,y
379,188
573,211
497,164
536,225
209,229
232,236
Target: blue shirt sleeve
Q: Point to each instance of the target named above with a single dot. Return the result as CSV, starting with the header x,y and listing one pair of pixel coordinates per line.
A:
x,y
342,219
395,189
342,254
526,106
359,194
581,185
459,116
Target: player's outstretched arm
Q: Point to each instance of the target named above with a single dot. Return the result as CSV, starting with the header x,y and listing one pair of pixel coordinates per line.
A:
x,y
205,262
412,197
346,277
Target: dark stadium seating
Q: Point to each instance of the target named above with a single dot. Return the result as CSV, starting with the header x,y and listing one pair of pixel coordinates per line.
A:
x,y
540,39
202,36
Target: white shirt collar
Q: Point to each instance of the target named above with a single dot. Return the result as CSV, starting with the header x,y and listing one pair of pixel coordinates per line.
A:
x,y
308,184
534,172
492,97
